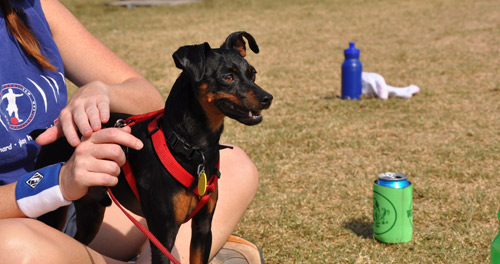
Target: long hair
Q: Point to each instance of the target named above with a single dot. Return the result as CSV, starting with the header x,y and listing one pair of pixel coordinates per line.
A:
x,y
23,34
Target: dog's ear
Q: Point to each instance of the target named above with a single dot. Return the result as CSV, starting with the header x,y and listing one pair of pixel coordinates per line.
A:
x,y
235,40
192,59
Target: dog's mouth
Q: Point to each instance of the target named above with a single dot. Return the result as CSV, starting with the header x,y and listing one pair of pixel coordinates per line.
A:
x,y
239,113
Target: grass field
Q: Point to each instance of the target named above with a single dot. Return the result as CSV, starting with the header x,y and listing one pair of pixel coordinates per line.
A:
x,y
318,155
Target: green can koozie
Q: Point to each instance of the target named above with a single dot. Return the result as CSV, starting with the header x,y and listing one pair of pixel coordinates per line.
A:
x,y
392,211
495,247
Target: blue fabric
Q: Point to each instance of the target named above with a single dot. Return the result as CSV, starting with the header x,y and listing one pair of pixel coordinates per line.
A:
x,y
34,183
31,97
38,192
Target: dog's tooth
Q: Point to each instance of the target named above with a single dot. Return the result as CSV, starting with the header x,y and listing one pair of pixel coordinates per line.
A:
x,y
249,113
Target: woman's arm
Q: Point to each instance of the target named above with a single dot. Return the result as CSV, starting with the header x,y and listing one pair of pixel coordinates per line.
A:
x,y
95,162
106,82
8,204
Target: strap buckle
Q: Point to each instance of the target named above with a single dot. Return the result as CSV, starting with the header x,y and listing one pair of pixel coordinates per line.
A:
x,y
122,123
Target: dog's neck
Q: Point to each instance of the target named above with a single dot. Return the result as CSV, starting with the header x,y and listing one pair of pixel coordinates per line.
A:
x,y
184,115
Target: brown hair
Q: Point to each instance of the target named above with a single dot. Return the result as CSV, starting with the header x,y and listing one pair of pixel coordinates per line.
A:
x,y
24,36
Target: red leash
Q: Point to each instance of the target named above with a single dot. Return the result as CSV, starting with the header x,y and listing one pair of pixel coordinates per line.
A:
x,y
145,231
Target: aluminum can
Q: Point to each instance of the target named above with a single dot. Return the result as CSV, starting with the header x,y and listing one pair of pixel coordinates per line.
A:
x,y
392,208
393,180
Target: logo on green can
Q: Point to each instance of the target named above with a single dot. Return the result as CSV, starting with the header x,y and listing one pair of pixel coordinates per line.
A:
x,y
384,214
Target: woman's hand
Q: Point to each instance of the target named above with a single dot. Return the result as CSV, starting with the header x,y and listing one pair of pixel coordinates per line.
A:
x,y
86,110
96,161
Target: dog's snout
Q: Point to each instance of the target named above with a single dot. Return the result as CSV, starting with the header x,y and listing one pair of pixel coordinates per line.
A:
x,y
266,100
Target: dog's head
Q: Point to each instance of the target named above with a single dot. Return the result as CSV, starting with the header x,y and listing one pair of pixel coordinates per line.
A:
x,y
224,80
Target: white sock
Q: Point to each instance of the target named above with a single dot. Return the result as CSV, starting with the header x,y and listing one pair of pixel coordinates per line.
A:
x,y
405,92
374,85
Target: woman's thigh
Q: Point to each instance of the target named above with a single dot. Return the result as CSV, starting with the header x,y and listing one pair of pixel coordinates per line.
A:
x,y
118,237
25,240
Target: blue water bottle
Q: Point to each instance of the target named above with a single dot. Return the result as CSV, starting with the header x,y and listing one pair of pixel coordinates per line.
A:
x,y
351,73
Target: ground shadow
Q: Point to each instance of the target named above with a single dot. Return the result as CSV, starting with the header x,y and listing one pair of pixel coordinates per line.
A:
x,y
330,97
362,227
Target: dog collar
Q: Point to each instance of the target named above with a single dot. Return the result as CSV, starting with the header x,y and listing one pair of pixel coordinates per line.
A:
x,y
180,145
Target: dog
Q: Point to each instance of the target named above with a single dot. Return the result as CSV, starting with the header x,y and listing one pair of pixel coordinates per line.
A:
x,y
213,84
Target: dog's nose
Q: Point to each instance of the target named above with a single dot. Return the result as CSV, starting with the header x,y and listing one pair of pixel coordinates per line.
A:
x,y
266,100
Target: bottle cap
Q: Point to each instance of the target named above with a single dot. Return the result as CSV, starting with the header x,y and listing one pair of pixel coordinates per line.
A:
x,y
351,52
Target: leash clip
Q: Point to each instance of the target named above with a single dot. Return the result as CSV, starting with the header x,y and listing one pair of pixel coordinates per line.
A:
x,y
121,123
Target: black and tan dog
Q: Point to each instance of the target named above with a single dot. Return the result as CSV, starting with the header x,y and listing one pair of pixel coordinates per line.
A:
x,y
214,83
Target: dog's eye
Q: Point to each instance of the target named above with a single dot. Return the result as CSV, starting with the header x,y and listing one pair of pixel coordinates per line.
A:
x,y
228,78
253,74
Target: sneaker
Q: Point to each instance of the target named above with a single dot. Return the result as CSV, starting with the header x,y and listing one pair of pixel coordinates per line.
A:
x,y
238,250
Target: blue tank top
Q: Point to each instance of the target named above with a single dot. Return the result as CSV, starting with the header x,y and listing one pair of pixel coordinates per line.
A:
x,y
31,97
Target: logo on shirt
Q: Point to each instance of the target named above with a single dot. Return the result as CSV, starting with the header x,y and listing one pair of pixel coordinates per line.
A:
x,y
34,180
17,105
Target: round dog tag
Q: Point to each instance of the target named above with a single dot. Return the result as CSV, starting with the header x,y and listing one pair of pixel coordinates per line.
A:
x,y
202,183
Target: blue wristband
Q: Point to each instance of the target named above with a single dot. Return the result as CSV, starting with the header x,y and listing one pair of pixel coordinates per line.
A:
x,y
38,192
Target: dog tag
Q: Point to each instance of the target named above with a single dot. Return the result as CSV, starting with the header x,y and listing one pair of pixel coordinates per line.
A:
x,y
202,183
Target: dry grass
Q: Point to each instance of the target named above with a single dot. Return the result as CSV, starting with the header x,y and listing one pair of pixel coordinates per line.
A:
x,y
318,155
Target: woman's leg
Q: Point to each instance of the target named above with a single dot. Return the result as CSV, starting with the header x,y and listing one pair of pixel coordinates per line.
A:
x,y
118,237
25,240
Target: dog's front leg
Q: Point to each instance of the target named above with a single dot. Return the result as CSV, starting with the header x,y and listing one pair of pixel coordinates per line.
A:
x,y
160,216
165,230
201,237
90,213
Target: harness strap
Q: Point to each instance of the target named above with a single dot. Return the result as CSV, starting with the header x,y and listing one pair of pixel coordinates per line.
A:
x,y
132,120
204,199
129,176
166,158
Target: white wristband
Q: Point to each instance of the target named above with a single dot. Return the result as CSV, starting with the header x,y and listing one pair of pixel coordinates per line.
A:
x,y
38,192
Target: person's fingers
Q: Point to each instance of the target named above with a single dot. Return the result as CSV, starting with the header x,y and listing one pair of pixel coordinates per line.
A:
x,y
96,173
103,179
119,136
93,117
101,173
104,110
68,127
50,135
81,120
111,152
75,178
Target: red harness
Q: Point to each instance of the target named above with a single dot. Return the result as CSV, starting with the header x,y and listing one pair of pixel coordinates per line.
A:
x,y
172,166
169,162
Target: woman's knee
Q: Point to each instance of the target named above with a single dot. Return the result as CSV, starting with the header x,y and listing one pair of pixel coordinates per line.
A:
x,y
239,170
13,233
22,243
17,239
